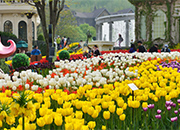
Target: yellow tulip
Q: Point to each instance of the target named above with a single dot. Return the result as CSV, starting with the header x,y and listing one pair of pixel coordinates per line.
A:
x,y
84,127
60,101
98,107
78,104
48,119
68,119
112,108
104,105
90,110
1,124
40,122
92,124
95,114
58,120
68,126
122,117
79,114
8,92
42,111
103,127
10,120
84,108
32,126
124,106
119,111
168,97
106,115
144,104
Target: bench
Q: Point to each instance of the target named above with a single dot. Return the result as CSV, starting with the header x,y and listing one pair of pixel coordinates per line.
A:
x,y
36,58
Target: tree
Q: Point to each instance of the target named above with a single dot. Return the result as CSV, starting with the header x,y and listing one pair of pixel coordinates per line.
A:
x,y
67,26
85,27
55,7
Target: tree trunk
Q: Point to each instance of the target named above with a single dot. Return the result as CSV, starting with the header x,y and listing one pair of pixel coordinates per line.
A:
x,y
149,19
137,23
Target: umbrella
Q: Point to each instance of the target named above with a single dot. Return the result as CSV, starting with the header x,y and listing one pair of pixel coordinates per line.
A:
x,y
22,44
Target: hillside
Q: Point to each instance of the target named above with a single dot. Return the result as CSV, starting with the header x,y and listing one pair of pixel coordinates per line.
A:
x,y
110,5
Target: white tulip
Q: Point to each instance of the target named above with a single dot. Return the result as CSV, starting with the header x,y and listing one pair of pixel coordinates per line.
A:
x,y
34,87
57,87
26,86
16,73
14,88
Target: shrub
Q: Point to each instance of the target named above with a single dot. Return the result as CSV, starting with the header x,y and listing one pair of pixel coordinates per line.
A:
x,y
20,60
64,55
41,37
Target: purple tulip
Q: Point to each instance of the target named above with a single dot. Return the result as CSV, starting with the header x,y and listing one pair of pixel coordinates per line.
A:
x,y
158,116
174,105
171,103
158,111
168,108
176,111
145,108
168,103
151,106
174,119
178,100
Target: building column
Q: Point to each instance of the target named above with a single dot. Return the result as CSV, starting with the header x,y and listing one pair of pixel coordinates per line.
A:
x,y
100,31
110,31
127,32
97,31
1,24
15,25
29,30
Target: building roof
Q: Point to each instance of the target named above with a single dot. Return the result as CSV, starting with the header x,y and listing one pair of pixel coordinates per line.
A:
x,y
129,10
93,14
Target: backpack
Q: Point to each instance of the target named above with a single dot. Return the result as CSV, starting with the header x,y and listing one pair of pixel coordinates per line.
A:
x,y
164,50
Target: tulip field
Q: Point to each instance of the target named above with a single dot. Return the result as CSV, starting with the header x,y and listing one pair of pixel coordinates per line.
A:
x,y
94,93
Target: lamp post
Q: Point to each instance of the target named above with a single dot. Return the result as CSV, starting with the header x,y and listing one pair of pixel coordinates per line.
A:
x,y
88,36
29,29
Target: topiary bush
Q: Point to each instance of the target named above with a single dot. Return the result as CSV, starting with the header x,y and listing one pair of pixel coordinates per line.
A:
x,y
20,60
41,37
64,55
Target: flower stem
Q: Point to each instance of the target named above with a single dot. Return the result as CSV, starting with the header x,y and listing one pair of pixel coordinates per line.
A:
x,y
23,124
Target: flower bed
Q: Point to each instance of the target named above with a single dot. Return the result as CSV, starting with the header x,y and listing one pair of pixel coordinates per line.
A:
x,y
94,94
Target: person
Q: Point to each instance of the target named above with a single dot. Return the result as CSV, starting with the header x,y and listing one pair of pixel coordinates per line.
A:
x,y
58,41
120,39
141,47
65,41
132,49
165,49
68,41
18,50
35,51
154,48
62,43
96,51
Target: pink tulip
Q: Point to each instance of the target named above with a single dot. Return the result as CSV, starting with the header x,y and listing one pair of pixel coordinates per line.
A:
x,y
174,119
158,111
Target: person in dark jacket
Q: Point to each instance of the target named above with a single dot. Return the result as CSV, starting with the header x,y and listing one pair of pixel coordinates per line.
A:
x,y
165,49
141,47
96,51
154,48
132,49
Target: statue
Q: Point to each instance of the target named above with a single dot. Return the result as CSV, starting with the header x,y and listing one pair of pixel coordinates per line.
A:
x,y
88,36
6,52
